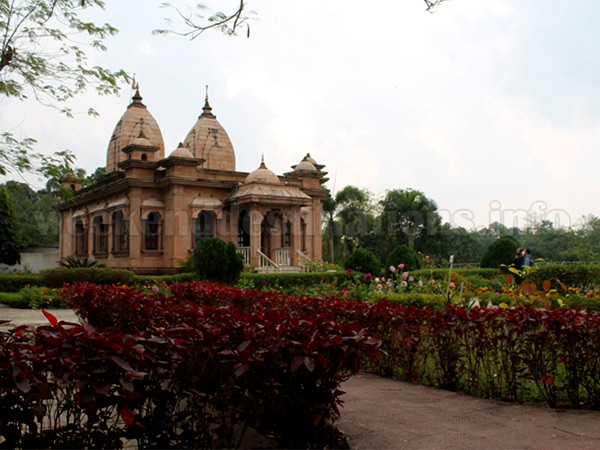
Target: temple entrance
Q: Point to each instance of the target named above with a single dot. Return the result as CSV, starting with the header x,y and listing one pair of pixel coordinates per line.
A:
x,y
275,237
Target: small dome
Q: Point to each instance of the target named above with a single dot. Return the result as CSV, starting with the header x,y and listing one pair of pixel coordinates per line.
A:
x,y
310,159
305,164
262,175
141,142
181,152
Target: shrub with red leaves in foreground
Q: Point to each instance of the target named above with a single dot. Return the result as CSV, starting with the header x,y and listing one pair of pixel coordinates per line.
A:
x,y
168,373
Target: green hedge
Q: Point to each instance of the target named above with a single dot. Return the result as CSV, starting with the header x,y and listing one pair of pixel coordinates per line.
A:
x,y
572,301
583,277
14,282
56,277
286,280
141,280
442,274
435,301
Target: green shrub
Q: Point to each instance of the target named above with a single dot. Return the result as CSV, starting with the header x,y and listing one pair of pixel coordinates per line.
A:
x,y
501,251
216,260
13,299
289,281
435,301
363,260
583,277
141,280
56,277
402,254
442,274
14,282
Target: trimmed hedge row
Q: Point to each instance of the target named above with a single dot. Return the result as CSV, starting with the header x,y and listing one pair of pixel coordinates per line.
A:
x,y
287,280
55,278
583,277
442,274
14,282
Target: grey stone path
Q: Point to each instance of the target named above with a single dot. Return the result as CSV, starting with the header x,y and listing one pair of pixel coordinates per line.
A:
x,y
380,413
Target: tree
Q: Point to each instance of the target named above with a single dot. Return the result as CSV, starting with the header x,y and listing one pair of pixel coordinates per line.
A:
x,y
409,216
9,236
43,54
501,251
403,255
37,221
347,216
363,261
197,23
216,260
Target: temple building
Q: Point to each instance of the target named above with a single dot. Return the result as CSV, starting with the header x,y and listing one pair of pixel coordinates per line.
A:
x,y
149,211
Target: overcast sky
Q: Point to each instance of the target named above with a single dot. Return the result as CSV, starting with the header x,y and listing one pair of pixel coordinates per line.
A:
x,y
490,107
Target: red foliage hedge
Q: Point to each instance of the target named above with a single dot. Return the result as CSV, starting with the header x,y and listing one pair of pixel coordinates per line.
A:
x,y
170,373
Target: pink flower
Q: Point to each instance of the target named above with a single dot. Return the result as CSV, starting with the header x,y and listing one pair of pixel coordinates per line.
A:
x,y
349,271
401,266
411,278
405,275
393,269
404,284
155,288
367,276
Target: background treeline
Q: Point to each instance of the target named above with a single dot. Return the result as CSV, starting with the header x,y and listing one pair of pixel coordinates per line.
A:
x,y
354,219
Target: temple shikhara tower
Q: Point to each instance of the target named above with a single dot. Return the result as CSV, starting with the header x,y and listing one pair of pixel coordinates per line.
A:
x,y
150,210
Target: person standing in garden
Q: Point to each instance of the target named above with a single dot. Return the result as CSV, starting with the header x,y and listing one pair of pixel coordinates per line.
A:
x,y
518,264
527,261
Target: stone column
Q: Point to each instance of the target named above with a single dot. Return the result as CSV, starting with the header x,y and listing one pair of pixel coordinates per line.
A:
x,y
295,234
256,218
135,226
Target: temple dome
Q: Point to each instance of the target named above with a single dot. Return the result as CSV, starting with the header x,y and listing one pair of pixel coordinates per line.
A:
x,y
262,175
305,164
135,125
208,140
181,152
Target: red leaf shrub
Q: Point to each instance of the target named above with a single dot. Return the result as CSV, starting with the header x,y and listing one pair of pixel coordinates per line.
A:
x,y
167,372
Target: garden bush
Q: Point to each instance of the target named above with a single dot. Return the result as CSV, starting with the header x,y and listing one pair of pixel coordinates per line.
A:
x,y
216,260
583,277
14,282
289,281
55,278
279,367
402,254
141,280
501,251
364,261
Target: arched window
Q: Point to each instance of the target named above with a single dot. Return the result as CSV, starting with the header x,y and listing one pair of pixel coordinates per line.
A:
x,y
152,231
120,232
144,157
80,239
100,241
204,225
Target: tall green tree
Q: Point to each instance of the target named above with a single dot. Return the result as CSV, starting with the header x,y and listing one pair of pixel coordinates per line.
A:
x,y
37,220
410,217
9,234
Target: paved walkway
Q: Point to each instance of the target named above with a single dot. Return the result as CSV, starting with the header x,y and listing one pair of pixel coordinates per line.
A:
x,y
380,413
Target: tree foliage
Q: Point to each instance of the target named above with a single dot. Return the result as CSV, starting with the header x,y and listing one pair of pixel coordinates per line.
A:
x,y
502,251
216,260
364,261
9,236
37,221
199,19
403,254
